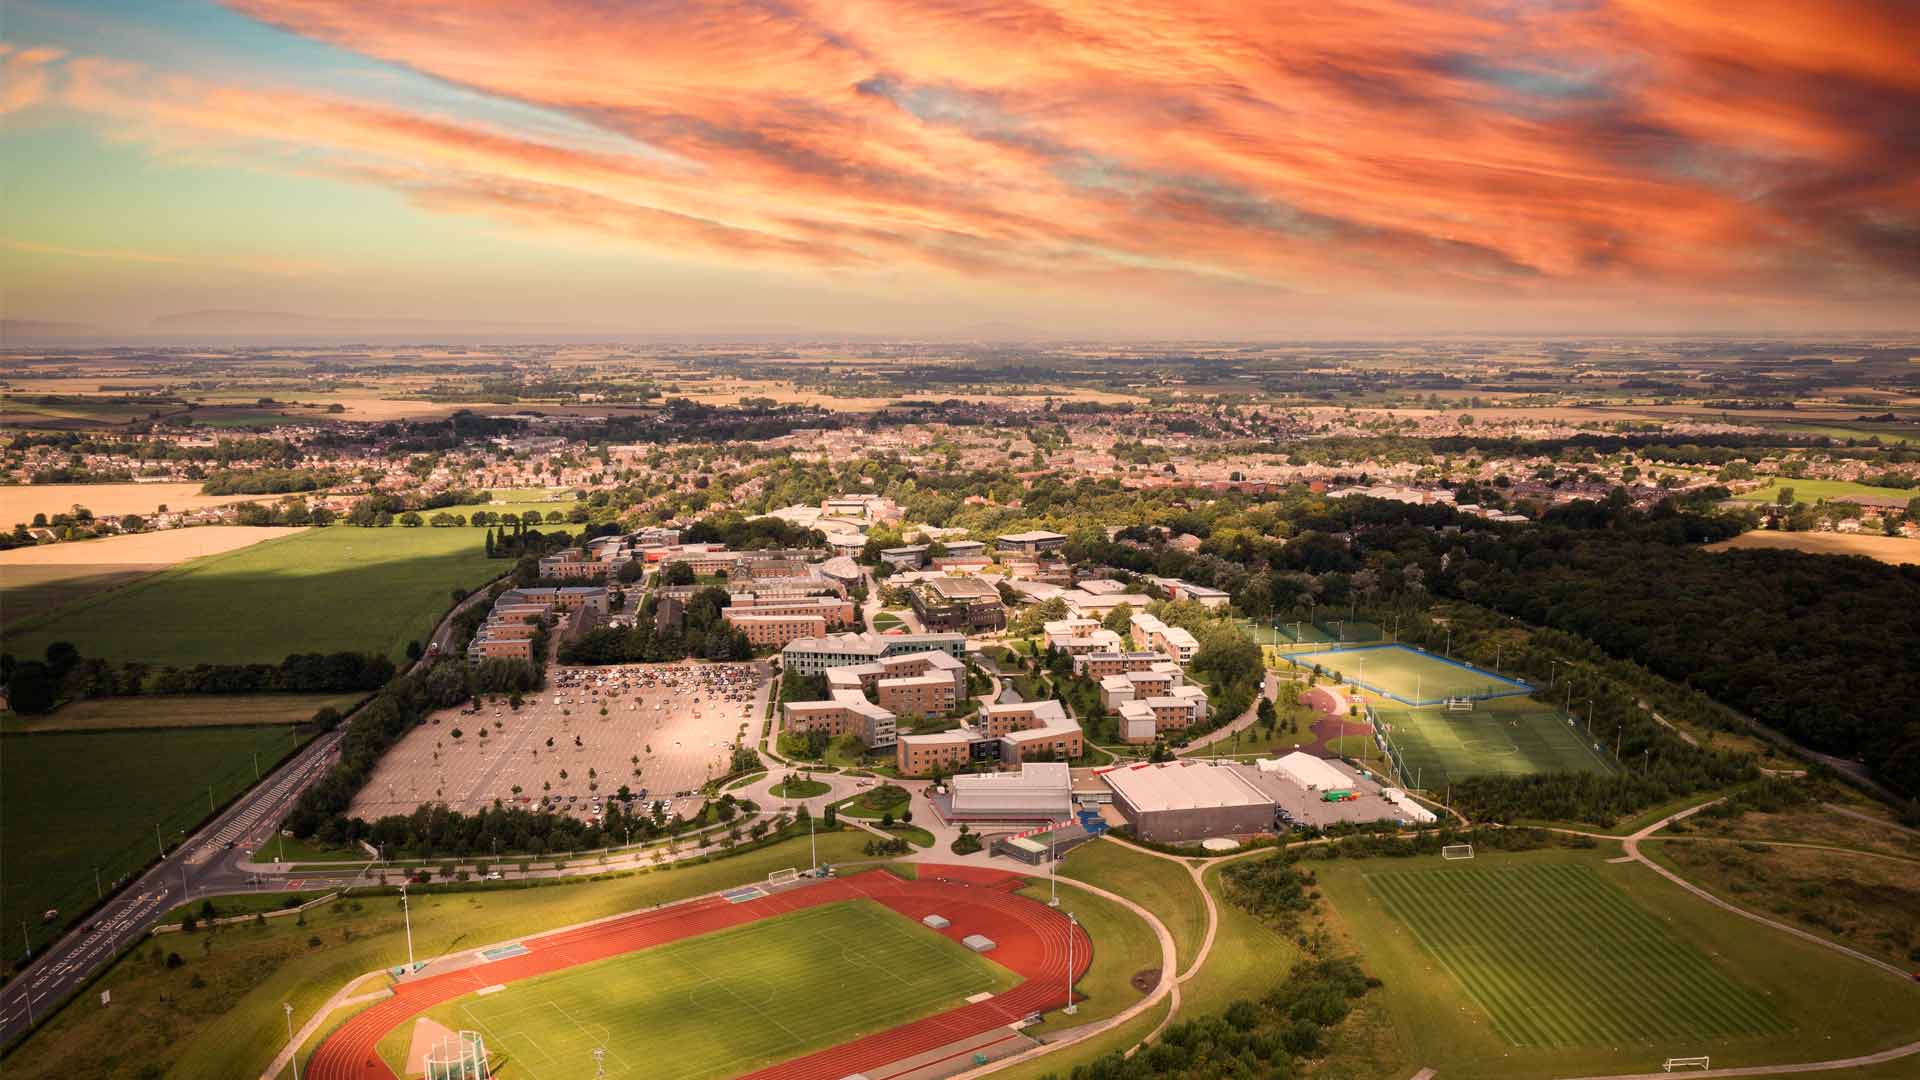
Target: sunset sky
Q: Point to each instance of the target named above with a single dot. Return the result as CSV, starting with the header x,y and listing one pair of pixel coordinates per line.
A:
x,y
1160,168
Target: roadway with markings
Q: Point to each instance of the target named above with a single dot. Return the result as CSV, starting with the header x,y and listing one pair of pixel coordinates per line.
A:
x,y
206,865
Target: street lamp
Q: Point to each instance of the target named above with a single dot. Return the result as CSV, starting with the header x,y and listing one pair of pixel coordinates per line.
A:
x,y
293,1051
407,914
1073,925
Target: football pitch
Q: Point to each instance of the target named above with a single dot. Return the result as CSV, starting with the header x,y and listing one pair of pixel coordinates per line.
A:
x,y
1409,675
1504,737
727,1002
1556,956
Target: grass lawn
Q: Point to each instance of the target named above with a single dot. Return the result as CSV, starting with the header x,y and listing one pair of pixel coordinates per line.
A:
x,y
1061,1062
1507,736
912,834
36,589
1557,963
1408,674
1161,887
885,621
225,1027
797,788
1249,958
323,590
1812,491
1556,957
875,801
72,802
1123,946
731,1001
184,710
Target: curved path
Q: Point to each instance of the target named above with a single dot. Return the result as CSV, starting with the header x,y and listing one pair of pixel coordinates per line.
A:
x,y
1034,941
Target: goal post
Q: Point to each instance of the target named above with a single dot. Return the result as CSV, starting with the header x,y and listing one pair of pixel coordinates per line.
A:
x,y
1459,704
783,877
1457,851
1702,1062
461,1056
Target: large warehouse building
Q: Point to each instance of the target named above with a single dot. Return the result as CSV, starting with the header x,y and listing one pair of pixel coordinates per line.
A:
x,y
1178,801
1040,791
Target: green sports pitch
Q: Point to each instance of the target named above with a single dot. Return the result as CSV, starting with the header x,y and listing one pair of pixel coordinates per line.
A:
x,y
728,1002
1409,675
1557,956
1503,737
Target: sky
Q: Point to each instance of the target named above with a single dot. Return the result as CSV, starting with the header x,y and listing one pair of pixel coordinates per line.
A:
x,y
1072,168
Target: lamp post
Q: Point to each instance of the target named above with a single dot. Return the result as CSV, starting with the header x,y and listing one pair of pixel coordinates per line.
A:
x,y
293,1052
407,914
1073,925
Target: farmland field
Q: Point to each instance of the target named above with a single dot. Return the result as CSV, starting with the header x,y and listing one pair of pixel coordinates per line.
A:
x,y
35,580
323,590
76,801
1504,737
727,1002
186,710
21,502
1887,549
1557,957
1809,491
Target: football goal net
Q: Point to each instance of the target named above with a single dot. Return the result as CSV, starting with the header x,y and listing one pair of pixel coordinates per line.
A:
x,y
1457,851
461,1056
1459,704
783,877
1701,1062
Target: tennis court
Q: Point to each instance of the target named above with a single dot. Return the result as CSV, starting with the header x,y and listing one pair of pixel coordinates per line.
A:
x,y
1505,737
1410,676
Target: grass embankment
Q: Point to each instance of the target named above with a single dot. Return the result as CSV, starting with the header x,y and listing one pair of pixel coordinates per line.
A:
x,y
226,1025
1123,947
1162,887
74,802
323,590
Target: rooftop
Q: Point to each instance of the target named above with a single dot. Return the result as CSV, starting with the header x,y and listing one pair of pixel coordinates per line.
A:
x,y
1182,785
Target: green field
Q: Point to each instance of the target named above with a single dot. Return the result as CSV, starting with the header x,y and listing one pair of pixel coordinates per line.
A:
x,y
885,621
1406,673
1556,956
1504,737
727,1002
183,710
323,590
74,802
31,589
1811,491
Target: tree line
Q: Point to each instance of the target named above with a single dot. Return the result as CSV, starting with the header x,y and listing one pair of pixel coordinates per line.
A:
x,y
36,686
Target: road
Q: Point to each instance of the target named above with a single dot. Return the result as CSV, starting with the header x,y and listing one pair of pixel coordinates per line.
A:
x,y
202,866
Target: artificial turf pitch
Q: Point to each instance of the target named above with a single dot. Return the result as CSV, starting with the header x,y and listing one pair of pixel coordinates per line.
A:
x,y
728,1002
1505,737
1557,956
1412,676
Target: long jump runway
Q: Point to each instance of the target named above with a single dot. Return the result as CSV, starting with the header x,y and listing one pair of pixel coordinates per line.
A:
x,y
1032,942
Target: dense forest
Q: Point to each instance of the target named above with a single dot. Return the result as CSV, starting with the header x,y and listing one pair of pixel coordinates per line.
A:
x,y
1826,649
37,686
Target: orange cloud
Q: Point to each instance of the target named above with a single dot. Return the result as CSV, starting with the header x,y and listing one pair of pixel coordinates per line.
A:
x,y
1366,147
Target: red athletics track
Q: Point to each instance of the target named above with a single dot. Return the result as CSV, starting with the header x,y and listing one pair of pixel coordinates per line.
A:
x,y
1032,941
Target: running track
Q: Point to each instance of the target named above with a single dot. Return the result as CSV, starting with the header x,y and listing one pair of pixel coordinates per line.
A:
x,y
1032,941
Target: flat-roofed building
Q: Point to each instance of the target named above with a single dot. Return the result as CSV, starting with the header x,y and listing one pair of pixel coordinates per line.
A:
x,y
836,611
965,549
775,631
946,751
873,724
924,695
1038,791
1203,595
1181,708
1099,665
813,656
909,557
957,603
1176,801
1089,605
1032,542
1148,632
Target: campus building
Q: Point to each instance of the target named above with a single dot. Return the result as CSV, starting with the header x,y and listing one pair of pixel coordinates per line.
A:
x,y
1076,636
1003,733
965,604
1099,665
773,631
1036,792
1031,543
815,655
1148,632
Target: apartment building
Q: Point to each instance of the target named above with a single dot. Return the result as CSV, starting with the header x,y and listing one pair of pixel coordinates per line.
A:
x,y
1148,632
774,631
813,656
1099,665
